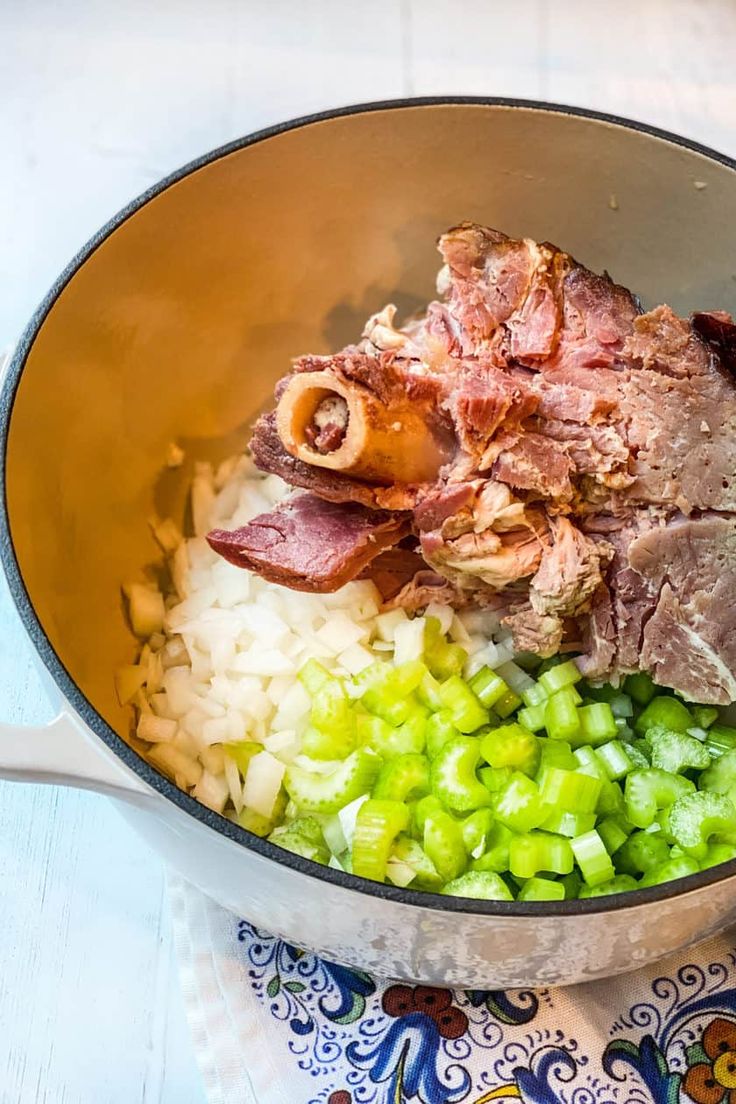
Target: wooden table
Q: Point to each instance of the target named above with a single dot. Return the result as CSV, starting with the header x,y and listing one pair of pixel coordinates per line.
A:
x,y
97,101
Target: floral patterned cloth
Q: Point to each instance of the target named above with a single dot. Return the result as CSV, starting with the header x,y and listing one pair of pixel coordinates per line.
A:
x,y
274,1025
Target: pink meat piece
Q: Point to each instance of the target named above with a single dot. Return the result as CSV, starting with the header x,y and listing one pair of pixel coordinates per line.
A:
x,y
307,543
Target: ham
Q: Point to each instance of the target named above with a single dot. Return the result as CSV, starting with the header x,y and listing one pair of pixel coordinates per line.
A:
x,y
553,451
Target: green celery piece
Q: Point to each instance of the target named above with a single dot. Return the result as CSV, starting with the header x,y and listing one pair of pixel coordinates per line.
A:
x,y
443,843
668,871
676,752
620,883
597,723
519,805
704,715
534,695
313,676
604,693
612,832
556,753
569,824
260,825
720,739
640,758
438,731
541,889
572,884
425,807
495,778
328,793
496,855
507,705
616,760
480,885
665,711
532,717
611,800
389,692
571,791
695,818
533,852
409,851
387,741
377,825
452,775
511,746
331,708
622,706
717,853
442,658
641,853
466,712
648,791
336,742
428,692
304,837
488,687
402,778
640,687
475,829
592,858
560,676
561,717
720,777
242,753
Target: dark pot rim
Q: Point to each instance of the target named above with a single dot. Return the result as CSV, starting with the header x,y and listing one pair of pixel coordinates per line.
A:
x,y
74,695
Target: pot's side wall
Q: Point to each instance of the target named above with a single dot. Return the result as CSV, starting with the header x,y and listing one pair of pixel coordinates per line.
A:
x,y
425,945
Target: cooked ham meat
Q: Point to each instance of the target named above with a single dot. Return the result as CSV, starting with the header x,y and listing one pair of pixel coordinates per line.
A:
x,y
309,544
581,477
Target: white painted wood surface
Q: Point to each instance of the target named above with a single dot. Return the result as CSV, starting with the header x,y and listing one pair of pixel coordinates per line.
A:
x,y
98,99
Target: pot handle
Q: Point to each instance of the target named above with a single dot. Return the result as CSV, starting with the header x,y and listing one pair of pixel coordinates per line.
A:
x,y
62,754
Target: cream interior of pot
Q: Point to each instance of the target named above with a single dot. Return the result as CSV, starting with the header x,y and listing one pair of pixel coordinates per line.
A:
x,y
177,325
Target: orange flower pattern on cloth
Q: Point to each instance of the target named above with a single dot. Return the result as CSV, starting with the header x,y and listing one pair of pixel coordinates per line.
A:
x,y
714,1081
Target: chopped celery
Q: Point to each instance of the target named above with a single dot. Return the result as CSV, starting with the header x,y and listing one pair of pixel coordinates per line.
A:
x,y
533,852
488,687
519,805
718,853
388,741
480,885
411,853
620,883
534,695
532,718
665,711
424,808
571,791
561,717
453,777
640,687
675,751
613,832
597,723
242,753
720,739
476,829
428,692
668,871
592,858
569,824
541,889
402,778
560,676
496,855
557,753
648,791
572,884
438,731
720,777
304,837
313,676
704,715
495,778
511,746
328,793
641,852
696,817
443,843
442,658
377,826
465,710
616,760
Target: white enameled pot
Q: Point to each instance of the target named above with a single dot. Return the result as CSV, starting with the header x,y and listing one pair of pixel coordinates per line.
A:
x,y
173,323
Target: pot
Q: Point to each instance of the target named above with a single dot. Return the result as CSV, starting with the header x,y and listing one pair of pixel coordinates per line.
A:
x,y
174,322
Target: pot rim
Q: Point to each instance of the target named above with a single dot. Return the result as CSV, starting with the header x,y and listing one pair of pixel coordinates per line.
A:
x,y
100,727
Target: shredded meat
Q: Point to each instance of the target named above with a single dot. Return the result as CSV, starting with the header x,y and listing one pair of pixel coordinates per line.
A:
x,y
590,488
